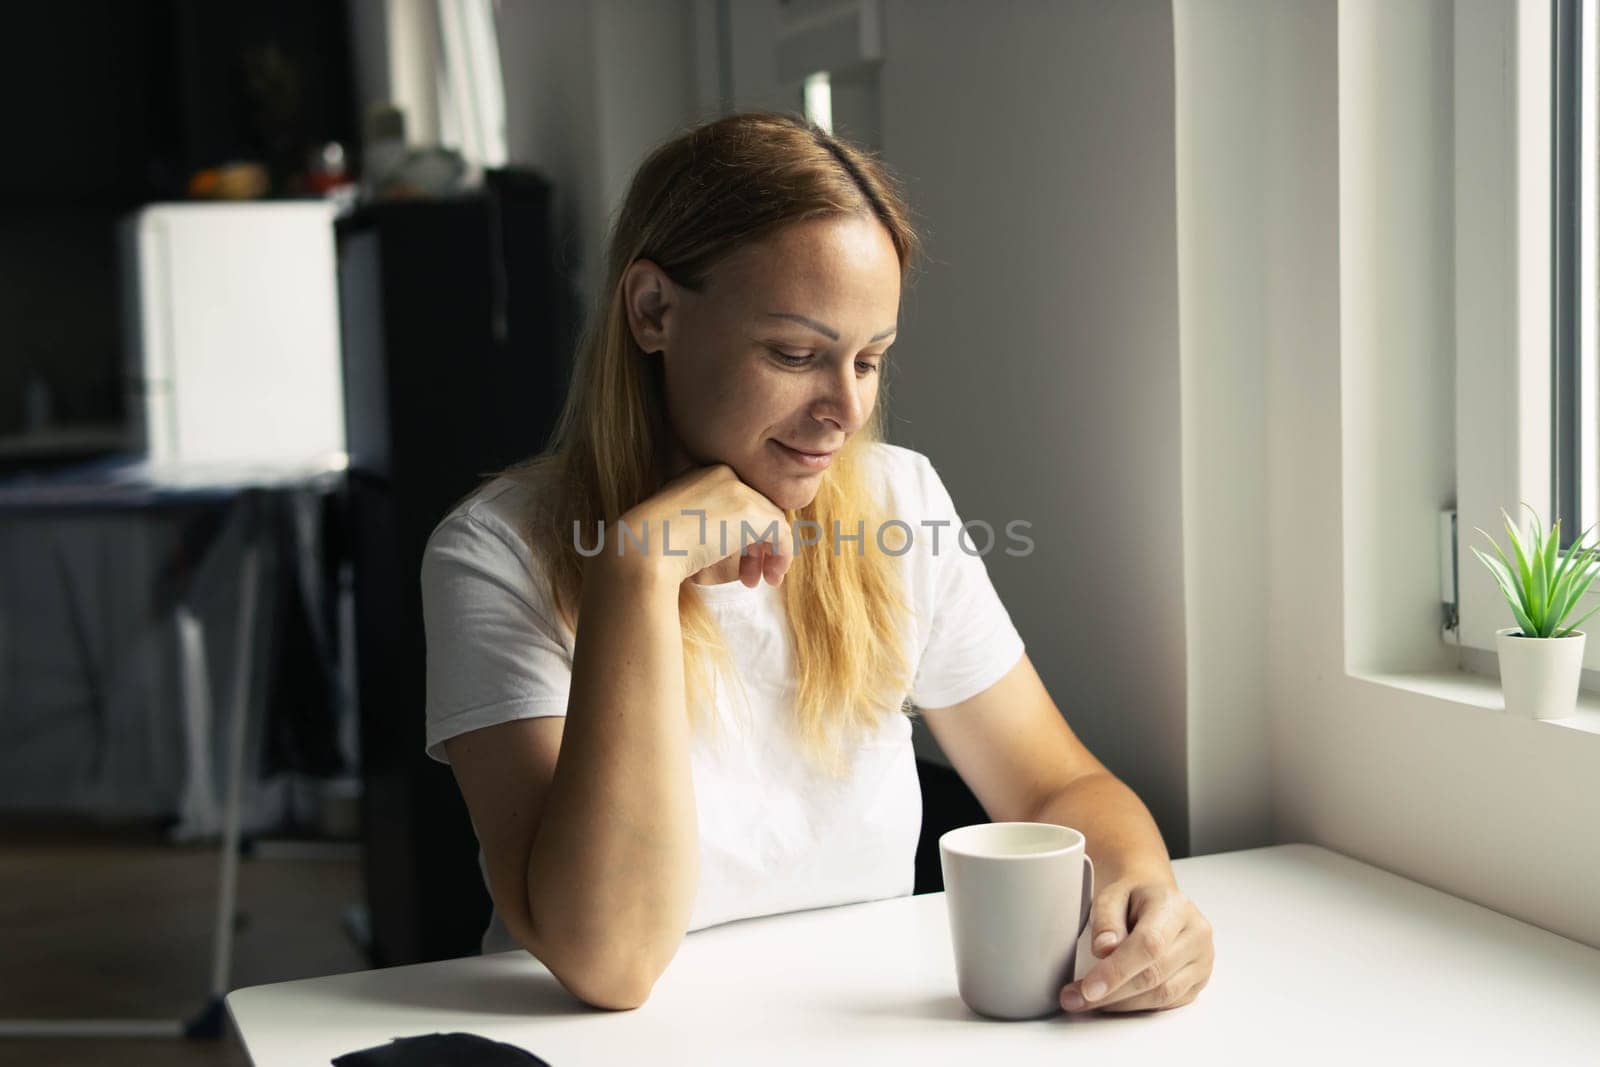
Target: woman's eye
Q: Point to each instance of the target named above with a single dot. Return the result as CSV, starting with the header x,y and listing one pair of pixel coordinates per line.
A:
x,y
863,367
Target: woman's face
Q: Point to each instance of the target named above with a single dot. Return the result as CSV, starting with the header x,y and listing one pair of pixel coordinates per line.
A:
x,y
774,366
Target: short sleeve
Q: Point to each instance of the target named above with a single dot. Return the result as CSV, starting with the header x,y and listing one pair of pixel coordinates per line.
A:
x,y
494,651
971,640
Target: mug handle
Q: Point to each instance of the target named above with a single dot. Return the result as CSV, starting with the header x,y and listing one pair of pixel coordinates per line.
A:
x,y
1088,893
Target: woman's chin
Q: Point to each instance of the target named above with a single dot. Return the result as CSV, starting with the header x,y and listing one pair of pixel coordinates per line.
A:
x,y
792,492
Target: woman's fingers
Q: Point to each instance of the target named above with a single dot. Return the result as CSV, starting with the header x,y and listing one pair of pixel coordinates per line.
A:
x,y
1176,991
751,564
773,553
764,560
776,566
780,553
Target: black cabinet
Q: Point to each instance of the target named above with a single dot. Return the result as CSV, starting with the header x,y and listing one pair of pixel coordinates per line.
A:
x,y
458,332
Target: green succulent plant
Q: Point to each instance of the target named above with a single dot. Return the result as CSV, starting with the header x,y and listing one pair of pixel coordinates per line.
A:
x,y
1544,587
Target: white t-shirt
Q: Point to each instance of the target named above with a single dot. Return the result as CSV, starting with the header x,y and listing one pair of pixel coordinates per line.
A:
x,y
775,834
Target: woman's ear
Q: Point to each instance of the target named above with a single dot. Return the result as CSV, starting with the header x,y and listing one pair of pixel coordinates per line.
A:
x,y
650,298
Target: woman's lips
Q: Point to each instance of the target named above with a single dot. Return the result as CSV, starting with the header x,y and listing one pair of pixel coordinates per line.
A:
x,y
810,460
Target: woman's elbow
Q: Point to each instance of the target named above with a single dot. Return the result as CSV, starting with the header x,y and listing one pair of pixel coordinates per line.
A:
x,y
620,992
611,986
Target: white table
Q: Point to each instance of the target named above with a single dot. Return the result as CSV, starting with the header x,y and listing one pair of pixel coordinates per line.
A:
x,y
1320,959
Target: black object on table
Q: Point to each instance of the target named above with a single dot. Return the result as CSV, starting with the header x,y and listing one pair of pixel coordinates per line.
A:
x,y
438,1050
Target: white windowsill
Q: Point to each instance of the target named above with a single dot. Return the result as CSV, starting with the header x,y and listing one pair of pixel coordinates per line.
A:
x,y
1483,691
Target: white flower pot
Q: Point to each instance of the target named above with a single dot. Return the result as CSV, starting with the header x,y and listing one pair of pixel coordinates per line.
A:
x,y
1539,675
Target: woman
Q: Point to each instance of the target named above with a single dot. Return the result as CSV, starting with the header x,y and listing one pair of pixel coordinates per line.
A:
x,y
667,659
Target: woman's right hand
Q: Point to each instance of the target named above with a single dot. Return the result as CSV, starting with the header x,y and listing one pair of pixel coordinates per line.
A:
x,y
692,511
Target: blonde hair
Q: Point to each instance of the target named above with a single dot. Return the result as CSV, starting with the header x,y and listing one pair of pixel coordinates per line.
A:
x,y
693,201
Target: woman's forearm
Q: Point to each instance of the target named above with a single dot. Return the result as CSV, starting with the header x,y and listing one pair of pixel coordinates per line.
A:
x,y
1123,840
614,864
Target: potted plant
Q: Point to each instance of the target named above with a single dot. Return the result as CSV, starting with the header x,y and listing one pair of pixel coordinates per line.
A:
x,y
1540,659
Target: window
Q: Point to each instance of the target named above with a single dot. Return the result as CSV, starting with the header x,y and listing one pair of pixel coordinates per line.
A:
x,y
444,73
817,100
1527,370
1575,392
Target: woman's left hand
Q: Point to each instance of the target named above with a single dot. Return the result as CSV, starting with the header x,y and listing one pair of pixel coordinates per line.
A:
x,y
1159,955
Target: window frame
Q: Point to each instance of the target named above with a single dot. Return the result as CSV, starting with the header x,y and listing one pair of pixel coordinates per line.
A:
x,y
1571,269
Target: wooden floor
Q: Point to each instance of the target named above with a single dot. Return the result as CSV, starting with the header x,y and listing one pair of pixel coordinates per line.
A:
x,y
116,923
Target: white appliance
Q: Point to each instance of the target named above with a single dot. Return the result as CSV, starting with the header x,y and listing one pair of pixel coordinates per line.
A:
x,y
231,318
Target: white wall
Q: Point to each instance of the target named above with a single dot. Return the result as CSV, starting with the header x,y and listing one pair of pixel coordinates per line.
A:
x,y
645,76
1397,324
545,50
590,88
1038,355
1232,140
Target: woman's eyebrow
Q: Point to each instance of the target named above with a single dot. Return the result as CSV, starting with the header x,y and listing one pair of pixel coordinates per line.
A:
x,y
826,331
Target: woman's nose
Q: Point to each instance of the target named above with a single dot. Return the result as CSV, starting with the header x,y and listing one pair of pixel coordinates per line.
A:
x,y
843,402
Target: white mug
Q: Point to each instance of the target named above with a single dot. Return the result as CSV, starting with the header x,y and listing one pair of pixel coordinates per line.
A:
x,y
1018,896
